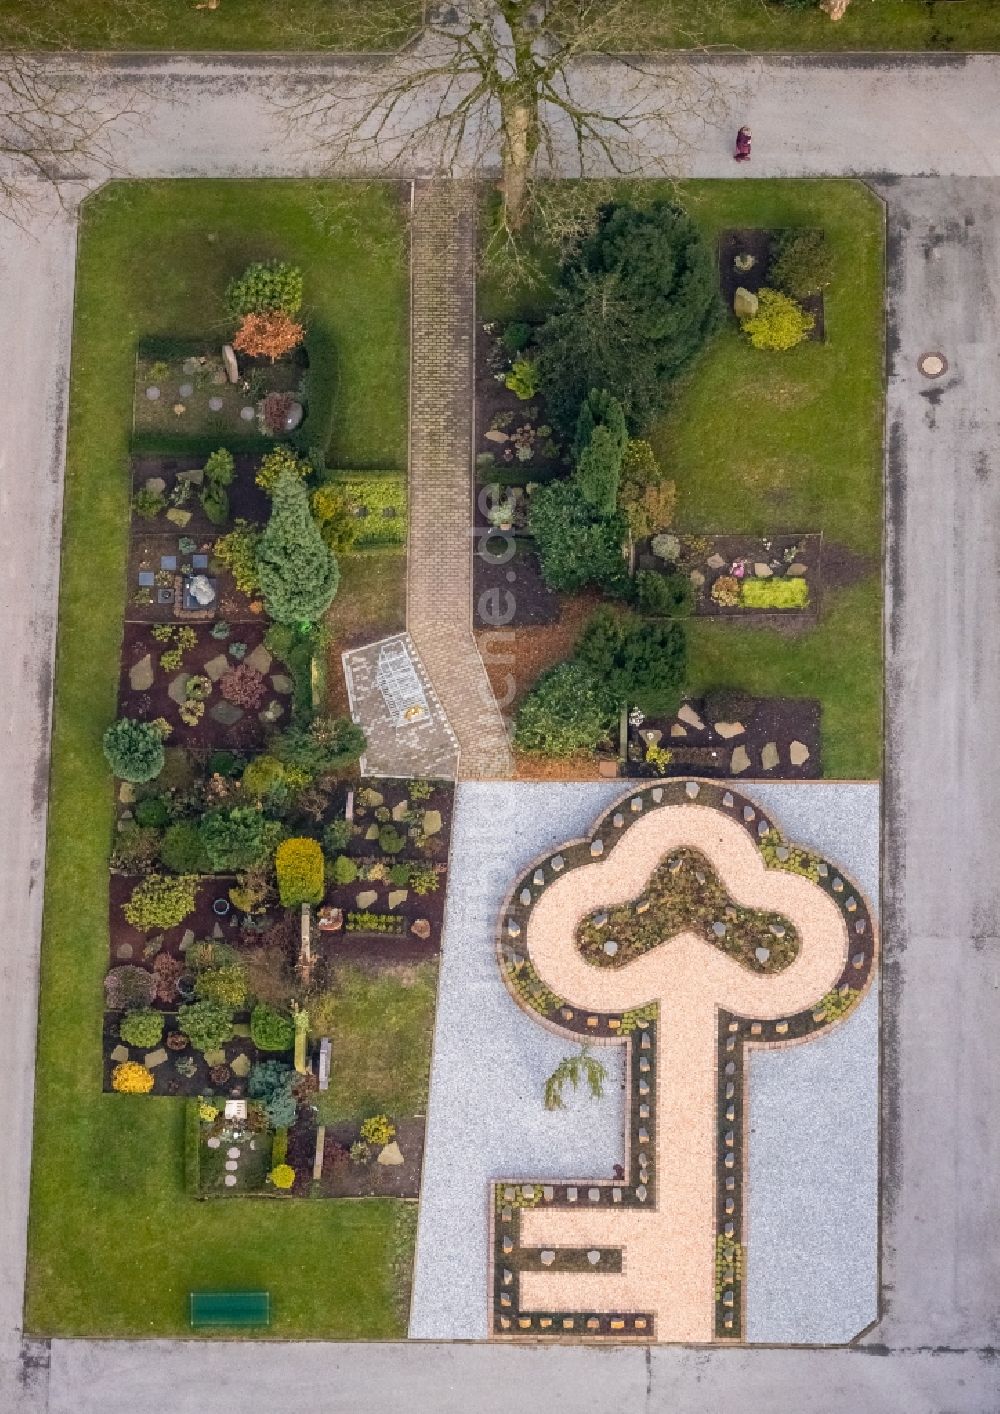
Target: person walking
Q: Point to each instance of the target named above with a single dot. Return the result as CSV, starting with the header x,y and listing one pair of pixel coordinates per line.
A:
x,y
743,138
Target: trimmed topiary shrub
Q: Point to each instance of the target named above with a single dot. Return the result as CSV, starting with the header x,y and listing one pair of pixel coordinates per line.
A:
x,y
181,849
779,323
271,1030
576,544
667,596
207,1024
774,594
161,901
345,871
299,866
564,713
634,661
134,750
131,1078
282,1176
141,1028
598,469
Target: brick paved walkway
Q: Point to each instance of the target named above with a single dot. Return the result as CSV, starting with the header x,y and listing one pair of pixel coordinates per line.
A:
x,y
439,579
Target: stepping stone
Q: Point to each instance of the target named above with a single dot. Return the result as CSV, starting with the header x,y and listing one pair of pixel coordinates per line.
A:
x,y
740,761
233,1152
593,1256
260,659
215,1142
216,666
168,562
152,393
178,517
215,1057
141,674
715,562
227,714
272,712
762,571
729,729
677,730
546,1257
372,832
154,1058
769,757
155,485
399,811
398,896
215,404
282,683
798,753
119,1054
246,414
495,435
432,822
231,1165
186,389
690,717
762,954
126,793
240,1066
177,689
391,1155
230,1180
366,898
796,571
123,952
187,938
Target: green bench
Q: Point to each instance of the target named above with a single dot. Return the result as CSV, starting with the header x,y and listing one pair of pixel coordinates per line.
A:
x,y
230,1308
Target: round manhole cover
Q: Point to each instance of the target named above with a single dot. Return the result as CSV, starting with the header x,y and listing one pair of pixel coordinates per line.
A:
x,y
932,365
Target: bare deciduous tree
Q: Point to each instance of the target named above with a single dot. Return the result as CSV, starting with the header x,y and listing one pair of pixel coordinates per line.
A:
x,y
518,80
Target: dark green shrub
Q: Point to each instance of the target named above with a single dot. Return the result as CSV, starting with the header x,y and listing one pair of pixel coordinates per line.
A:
x,y
345,871
134,750
563,713
298,574
215,503
271,1030
600,409
226,764
147,504
635,662
390,841
664,595
264,286
399,876
516,337
576,545
638,300
207,1024
325,744
598,470
226,985
181,849
152,810
143,1029
237,839
338,835
804,264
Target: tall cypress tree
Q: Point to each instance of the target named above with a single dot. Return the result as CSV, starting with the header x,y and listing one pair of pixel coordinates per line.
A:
x,y
298,574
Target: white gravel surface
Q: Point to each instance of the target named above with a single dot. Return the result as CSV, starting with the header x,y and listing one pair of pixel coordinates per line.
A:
x,y
814,1176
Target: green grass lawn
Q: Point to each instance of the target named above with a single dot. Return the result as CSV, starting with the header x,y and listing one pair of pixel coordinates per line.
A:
x,y
115,1245
339,24
765,442
383,1027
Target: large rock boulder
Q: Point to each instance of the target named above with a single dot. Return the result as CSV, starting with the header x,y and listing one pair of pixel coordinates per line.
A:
x,y
744,303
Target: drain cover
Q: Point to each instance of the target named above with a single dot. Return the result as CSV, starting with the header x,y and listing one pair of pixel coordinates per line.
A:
x,y
932,365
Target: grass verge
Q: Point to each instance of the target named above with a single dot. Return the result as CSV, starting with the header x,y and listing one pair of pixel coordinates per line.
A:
x,y
115,1244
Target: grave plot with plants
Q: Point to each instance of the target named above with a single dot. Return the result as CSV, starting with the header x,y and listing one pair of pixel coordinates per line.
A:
x,y
753,576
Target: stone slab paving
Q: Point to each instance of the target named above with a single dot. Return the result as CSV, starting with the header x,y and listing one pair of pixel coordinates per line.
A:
x,y
439,566
428,749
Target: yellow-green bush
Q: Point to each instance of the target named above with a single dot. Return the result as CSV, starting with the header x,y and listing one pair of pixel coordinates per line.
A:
x,y
131,1078
299,865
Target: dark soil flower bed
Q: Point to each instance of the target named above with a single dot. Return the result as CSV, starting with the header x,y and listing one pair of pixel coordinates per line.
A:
x,y
344,1177
704,559
762,246
508,588
508,440
164,557
221,724
246,499
752,725
685,893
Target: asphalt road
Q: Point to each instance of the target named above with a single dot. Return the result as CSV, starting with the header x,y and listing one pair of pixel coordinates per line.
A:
x,y
934,1350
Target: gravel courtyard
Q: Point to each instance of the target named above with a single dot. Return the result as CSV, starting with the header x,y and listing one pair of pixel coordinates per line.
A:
x,y
812,1210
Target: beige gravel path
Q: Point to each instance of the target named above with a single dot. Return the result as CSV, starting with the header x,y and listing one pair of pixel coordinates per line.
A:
x,y
669,1251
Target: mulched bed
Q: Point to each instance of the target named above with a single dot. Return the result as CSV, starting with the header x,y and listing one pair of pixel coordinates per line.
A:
x,y
762,245
508,588
246,499
183,1072
341,1178
704,752
128,944
494,401
155,701
706,558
